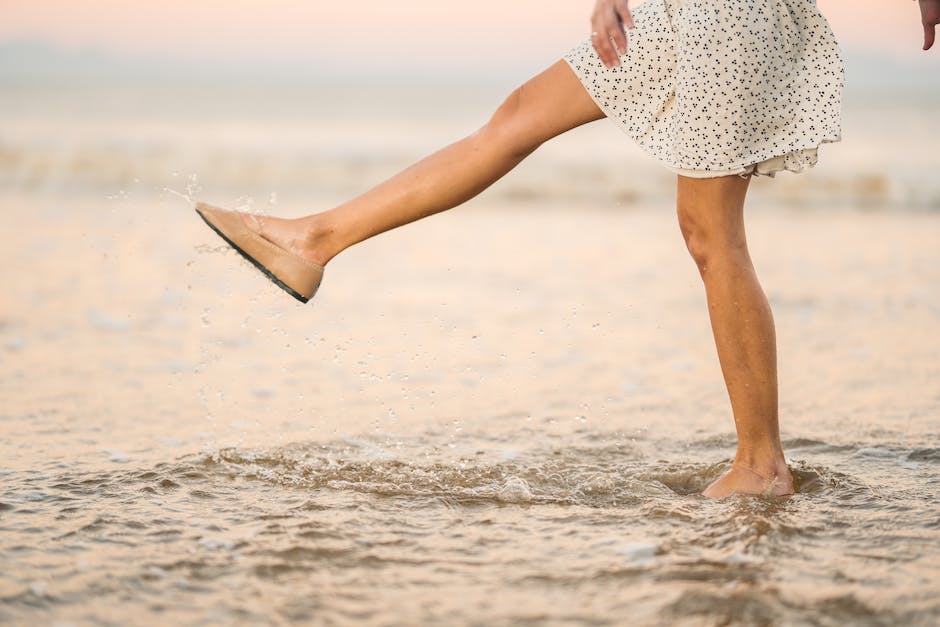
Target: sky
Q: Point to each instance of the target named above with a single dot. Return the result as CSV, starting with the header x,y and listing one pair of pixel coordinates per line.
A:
x,y
404,35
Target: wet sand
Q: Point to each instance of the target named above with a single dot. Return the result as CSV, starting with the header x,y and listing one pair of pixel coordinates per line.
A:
x,y
500,415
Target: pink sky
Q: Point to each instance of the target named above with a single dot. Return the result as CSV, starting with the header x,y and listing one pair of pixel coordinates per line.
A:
x,y
471,32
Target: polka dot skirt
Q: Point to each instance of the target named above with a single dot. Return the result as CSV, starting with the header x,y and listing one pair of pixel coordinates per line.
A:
x,y
719,87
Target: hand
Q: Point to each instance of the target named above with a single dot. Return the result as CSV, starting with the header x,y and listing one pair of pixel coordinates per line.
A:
x,y
609,37
930,16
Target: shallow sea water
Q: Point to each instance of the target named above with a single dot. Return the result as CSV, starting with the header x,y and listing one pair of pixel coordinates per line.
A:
x,y
503,415
454,432
579,532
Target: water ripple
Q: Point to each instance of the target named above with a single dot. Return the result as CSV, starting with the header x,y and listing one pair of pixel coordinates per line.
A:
x,y
540,523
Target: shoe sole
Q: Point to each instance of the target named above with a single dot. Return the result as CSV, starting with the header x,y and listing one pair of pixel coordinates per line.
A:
x,y
254,261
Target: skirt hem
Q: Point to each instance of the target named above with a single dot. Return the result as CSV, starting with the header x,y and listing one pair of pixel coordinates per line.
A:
x,y
796,161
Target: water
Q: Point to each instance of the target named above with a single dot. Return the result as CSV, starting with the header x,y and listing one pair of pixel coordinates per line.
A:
x,y
310,139
501,415
574,531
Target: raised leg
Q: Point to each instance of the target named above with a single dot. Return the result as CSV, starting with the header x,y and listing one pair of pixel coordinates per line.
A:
x,y
553,102
711,218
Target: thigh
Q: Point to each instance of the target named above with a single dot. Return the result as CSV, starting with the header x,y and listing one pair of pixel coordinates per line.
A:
x,y
713,206
547,105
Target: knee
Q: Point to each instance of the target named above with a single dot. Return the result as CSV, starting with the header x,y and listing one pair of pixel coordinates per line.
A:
x,y
710,242
508,126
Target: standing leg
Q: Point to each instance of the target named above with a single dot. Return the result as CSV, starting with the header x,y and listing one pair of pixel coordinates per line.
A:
x,y
553,102
711,218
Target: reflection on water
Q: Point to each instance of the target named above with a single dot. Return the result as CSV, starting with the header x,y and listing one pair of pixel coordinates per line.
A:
x,y
442,437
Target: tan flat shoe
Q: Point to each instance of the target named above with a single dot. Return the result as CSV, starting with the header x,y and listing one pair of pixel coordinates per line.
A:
x,y
295,275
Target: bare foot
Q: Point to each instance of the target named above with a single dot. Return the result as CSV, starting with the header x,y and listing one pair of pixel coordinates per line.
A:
x,y
743,479
295,236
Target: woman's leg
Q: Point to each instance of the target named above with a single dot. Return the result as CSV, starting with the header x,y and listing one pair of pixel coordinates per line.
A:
x,y
711,218
553,102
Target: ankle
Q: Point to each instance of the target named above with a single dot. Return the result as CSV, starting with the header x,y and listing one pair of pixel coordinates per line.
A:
x,y
318,237
770,462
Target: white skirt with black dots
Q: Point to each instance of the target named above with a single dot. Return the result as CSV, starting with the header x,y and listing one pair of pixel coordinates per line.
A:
x,y
718,87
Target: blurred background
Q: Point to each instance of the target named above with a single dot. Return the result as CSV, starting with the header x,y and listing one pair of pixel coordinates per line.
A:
x,y
116,116
308,102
